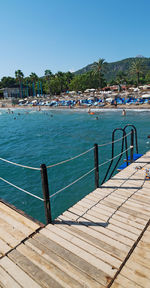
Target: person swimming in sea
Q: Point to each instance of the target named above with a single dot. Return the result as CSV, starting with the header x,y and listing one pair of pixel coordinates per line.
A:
x,y
124,112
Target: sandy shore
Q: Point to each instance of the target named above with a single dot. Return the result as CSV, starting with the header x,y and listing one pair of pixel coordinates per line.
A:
x,y
92,108
8,105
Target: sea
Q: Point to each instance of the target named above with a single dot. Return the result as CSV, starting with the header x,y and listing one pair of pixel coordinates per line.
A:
x,y
30,137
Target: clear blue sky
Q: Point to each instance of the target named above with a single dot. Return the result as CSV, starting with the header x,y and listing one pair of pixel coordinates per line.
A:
x,y
63,35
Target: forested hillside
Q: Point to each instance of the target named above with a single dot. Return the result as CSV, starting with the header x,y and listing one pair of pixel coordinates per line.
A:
x,y
111,69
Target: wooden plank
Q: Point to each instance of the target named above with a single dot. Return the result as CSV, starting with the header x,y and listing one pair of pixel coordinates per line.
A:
x,y
105,271
94,196
136,276
137,208
144,191
80,212
142,252
93,236
82,204
110,237
138,196
132,203
88,201
103,189
64,265
72,258
32,225
128,210
127,221
4,247
48,267
116,222
138,203
75,248
112,182
20,276
145,239
112,227
131,217
113,220
122,281
146,233
64,232
8,238
105,209
142,260
30,270
135,221
133,183
9,219
12,230
144,245
6,280
146,184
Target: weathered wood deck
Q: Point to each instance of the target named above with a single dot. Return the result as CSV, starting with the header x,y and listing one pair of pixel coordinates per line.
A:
x,y
102,241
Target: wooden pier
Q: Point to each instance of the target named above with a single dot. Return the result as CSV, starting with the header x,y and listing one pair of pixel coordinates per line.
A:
x,y
102,241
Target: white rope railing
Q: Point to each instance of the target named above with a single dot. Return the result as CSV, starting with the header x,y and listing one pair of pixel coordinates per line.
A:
x,y
70,159
4,180
69,185
65,161
72,183
88,173
20,165
101,145
115,157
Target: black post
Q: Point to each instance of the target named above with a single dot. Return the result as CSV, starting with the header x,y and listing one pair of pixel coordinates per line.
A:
x,y
132,146
96,166
45,189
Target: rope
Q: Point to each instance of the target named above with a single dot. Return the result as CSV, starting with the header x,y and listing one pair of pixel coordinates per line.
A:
x,y
100,145
70,159
19,164
62,162
21,189
115,157
72,183
87,174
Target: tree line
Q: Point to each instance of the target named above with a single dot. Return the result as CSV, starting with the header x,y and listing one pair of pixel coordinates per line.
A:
x,y
54,84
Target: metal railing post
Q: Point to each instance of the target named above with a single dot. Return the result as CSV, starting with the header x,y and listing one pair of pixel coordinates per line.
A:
x,y
45,189
132,146
96,166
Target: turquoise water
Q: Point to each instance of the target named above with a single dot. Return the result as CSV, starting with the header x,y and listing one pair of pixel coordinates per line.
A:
x,y
33,138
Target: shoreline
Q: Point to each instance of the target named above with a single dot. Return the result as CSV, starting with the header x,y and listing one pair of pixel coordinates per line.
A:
x,y
132,107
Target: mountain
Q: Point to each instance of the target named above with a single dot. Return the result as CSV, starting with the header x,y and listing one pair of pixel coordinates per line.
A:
x,y
111,69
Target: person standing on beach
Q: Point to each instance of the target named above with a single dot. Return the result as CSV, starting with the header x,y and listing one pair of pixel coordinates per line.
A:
x,y
115,103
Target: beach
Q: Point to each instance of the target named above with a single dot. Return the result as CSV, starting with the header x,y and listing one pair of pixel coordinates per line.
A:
x,y
8,104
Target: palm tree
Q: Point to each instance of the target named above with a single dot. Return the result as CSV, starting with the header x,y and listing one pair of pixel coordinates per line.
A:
x,y
98,70
33,78
60,76
121,77
48,74
137,68
19,77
